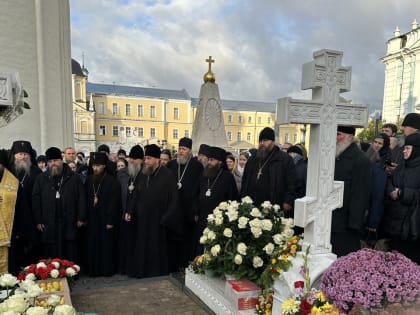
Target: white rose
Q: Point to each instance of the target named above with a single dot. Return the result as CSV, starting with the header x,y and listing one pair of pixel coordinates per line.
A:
x,y
203,239
232,215
210,218
41,265
257,262
7,280
289,233
267,225
218,220
266,204
255,212
234,205
19,291
206,230
30,276
215,250
238,259
53,300
256,231
276,208
64,310
25,284
217,212
9,312
37,310
278,239
56,264
54,273
241,248
242,222
211,235
70,272
223,205
16,303
34,290
247,199
269,248
287,222
255,223
227,232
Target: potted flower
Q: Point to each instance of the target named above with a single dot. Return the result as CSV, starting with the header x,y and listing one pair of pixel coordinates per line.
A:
x,y
248,242
372,280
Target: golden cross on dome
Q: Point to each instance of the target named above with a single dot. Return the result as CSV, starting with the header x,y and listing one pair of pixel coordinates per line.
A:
x,y
210,61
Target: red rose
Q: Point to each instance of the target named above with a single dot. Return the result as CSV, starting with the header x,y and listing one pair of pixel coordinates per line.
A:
x,y
299,284
305,307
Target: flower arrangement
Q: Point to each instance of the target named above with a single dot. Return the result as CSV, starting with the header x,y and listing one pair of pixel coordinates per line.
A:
x,y
50,268
307,300
265,303
21,298
373,280
247,242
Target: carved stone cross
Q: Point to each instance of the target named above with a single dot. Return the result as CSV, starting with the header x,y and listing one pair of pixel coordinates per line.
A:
x,y
327,79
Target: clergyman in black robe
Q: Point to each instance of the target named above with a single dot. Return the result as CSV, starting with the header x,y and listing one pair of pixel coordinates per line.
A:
x,y
103,203
154,211
217,184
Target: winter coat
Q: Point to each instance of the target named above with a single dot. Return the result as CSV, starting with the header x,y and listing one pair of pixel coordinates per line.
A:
x,y
72,199
355,170
401,217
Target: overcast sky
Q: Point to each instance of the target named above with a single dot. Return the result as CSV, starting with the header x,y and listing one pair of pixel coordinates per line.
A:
x,y
259,46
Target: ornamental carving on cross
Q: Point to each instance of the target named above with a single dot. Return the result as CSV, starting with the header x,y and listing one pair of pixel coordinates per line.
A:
x,y
327,79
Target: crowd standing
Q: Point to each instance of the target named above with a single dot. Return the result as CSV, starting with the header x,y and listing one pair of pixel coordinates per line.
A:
x,y
143,213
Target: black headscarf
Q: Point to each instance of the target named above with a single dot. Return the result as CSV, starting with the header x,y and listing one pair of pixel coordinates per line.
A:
x,y
385,151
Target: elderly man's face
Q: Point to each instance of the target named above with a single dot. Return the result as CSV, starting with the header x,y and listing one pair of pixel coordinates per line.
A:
x,y
407,130
22,156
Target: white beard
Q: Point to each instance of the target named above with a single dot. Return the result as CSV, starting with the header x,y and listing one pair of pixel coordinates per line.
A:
x,y
341,147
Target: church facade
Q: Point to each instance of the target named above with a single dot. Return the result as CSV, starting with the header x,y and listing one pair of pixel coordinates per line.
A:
x,y
402,75
122,116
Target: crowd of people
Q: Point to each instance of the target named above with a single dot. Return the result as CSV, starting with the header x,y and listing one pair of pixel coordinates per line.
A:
x,y
142,214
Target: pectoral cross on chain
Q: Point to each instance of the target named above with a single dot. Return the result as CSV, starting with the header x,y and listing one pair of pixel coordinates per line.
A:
x,y
259,174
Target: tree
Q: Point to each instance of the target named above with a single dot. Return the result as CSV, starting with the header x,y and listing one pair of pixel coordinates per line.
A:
x,y
368,134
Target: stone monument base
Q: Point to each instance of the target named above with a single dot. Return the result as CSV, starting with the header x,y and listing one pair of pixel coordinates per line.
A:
x,y
210,290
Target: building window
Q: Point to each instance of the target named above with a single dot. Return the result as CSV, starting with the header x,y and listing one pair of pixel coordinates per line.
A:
x,y
152,132
295,138
115,132
78,91
249,119
175,133
259,120
140,110
176,113
286,138
268,120
114,109
186,133
102,130
230,119
141,132
240,119
101,108
153,111
248,136
239,136
127,110
128,131
229,136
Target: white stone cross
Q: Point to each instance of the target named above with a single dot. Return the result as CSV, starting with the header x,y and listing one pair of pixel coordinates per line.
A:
x,y
327,79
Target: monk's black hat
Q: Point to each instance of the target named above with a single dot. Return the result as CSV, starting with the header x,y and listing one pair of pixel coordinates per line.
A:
x,y
412,120
347,129
203,149
53,153
152,150
98,158
21,146
295,149
216,153
136,152
267,134
103,148
185,142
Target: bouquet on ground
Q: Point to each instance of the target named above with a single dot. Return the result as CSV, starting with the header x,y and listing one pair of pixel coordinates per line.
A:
x,y
307,300
247,242
21,298
373,281
50,268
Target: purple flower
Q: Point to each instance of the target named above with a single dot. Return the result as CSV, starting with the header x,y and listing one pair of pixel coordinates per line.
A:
x,y
372,279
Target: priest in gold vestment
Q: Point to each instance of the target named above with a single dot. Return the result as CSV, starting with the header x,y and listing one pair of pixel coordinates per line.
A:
x,y
8,193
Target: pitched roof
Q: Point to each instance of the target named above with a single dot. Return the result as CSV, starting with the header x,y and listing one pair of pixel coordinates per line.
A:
x,y
99,88
76,68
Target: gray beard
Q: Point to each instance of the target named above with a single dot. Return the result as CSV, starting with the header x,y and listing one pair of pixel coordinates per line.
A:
x,y
147,170
56,171
182,160
341,147
133,170
23,166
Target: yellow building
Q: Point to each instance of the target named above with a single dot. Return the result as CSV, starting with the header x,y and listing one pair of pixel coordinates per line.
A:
x,y
122,116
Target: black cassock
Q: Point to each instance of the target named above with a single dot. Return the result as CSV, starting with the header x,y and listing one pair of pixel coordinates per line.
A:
x,y
101,242
154,211
212,192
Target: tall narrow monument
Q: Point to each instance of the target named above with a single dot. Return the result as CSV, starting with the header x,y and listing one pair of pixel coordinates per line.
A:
x,y
209,127
35,58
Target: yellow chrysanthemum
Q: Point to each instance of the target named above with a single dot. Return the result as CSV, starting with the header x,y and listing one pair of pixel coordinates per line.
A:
x,y
284,257
288,306
293,247
320,296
